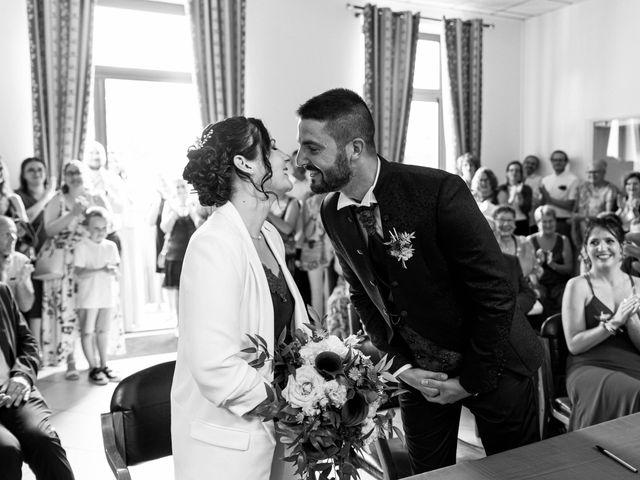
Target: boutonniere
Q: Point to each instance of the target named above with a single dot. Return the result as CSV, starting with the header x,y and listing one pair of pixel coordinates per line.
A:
x,y
400,246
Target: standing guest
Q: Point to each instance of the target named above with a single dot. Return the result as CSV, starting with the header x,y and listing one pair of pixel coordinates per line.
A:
x,y
560,191
595,196
63,218
467,165
26,434
484,187
429,283
602,330
15,268
284,215
97,266
36,189
530,166
516,194
300,190
235,283
180,218
629,211
554,255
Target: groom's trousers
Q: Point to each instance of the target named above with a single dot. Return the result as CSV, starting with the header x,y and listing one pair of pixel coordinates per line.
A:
x,y
507,417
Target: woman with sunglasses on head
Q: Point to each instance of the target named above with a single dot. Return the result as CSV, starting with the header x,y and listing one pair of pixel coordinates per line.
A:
x,y
234,282
602,329
63,223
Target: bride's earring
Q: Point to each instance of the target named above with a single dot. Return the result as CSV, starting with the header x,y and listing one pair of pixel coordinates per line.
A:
x,y
585,259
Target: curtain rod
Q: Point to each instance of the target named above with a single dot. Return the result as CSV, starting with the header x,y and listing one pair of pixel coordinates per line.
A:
x,y
360,8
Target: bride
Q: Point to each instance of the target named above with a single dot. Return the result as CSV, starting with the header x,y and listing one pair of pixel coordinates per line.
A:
x,y
234,282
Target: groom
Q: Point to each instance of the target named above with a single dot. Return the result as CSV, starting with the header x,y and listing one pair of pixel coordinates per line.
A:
x,y
428,281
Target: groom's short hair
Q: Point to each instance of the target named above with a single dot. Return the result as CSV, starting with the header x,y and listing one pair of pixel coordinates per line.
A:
x,y
346,115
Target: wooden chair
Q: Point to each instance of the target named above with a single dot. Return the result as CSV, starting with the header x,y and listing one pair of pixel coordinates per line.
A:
x,y
138,427
554,402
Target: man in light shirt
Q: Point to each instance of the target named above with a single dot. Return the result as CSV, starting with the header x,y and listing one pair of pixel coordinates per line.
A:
x,y
560,191
15,268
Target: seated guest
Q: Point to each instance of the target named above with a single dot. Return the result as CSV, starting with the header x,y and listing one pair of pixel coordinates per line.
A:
x,y
516,194
595,196
25,431
484,186
525,295
602,329
15,267
467,165
504,218
629,203
553,253
530,167
560,190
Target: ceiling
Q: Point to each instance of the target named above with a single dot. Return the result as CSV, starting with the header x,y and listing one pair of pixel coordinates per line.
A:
x,y
514,9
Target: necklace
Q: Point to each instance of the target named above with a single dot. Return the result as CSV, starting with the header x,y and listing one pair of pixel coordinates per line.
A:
x,y
259,237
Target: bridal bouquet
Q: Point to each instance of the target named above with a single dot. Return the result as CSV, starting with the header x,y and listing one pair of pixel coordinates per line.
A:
x,y
325,399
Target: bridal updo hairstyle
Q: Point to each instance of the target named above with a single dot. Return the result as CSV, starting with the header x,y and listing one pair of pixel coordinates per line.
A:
x,y
210,169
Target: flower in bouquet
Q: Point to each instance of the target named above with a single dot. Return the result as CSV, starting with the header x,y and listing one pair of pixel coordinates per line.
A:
x,y
328,410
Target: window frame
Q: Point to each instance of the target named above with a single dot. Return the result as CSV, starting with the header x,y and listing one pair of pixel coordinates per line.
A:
x,y
433,95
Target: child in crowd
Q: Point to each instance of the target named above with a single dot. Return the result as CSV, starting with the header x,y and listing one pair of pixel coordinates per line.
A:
x,y
97,268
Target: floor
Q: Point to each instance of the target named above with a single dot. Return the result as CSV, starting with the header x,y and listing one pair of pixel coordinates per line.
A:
x,y
77,407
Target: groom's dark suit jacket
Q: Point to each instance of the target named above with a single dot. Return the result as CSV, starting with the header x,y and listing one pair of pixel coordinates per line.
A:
x,y
455,290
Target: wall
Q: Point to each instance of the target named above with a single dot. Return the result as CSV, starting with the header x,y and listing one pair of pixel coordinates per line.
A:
x,y
16,140
297,49
580,64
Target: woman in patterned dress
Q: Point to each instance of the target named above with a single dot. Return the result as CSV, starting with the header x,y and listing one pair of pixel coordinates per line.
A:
x,y
63,218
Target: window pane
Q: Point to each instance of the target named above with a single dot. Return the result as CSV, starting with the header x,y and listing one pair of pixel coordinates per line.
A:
x,y
427,72
141,39
422,135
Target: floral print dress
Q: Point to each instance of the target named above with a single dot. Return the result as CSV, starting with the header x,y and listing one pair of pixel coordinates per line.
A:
x,y
59,317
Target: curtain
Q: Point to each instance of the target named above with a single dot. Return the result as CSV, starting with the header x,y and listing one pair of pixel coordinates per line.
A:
x,y
60,38
462,87
391,41
218,33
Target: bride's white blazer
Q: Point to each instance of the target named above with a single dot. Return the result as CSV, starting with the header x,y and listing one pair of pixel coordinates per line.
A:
x,y
224,295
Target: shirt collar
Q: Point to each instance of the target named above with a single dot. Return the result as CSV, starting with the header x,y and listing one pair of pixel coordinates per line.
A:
x,y
368,199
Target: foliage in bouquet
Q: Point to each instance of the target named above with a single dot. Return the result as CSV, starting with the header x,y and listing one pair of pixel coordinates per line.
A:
x,y
325,398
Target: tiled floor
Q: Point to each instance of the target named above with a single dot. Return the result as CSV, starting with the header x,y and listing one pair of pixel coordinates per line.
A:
x,y
77,407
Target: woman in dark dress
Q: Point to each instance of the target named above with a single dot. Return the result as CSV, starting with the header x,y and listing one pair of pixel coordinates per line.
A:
x,y
602,329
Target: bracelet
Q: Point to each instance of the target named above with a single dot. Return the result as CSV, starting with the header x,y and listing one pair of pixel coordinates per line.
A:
x,y
609,328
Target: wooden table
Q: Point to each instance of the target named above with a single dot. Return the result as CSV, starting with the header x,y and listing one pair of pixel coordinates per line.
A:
x,y
565,457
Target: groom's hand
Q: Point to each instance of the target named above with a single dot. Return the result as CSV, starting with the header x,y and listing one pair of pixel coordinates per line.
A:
x,y
423,380
450,391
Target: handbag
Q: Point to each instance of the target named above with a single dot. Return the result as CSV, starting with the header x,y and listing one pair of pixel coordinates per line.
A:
x,y
49,263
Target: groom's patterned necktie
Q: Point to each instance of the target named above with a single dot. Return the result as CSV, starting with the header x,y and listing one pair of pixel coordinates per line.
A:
x,y
367,218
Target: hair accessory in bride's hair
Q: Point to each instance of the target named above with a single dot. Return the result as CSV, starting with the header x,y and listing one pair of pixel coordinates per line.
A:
x,y
207,133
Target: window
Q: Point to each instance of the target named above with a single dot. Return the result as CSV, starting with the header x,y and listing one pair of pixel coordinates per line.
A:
x,y
145,112
424,145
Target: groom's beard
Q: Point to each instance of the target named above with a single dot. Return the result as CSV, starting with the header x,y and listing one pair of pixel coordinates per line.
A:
x,y
333,179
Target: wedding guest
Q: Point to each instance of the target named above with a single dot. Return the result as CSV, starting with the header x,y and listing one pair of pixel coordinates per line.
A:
x,y
26,433
516,194
235,283
555,256
602,330
300,190
63,218
284,215
180,218
467,165
428,281
97,267
36,189
484,187
629,211
510,243
15,268
530,167
595,196
11,206
316,253
560,191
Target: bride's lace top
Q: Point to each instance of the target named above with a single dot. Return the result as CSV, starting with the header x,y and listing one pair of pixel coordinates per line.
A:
x,y
283,304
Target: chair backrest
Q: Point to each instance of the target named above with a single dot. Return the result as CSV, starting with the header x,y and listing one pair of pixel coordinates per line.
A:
x,y
552,330
142,401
